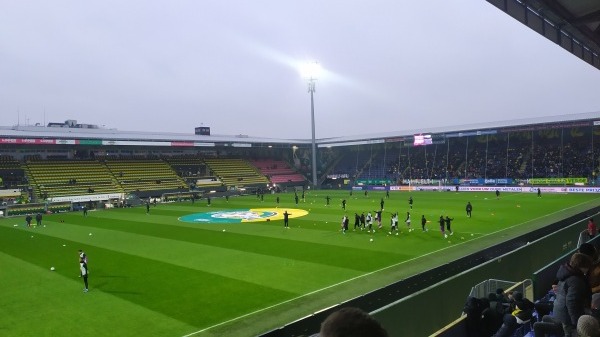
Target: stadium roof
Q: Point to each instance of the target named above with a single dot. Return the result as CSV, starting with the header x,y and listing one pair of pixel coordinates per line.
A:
x,y
28,131
572,24
181,139
590,116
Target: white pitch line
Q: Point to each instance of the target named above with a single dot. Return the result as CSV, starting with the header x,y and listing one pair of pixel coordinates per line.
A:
x,y
367,274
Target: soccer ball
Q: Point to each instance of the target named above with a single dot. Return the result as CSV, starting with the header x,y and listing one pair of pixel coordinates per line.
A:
x,y
371,240
52,268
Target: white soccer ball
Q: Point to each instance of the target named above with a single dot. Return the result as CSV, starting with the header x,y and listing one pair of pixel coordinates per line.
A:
x,y
223,230
90,233
52,268
371,240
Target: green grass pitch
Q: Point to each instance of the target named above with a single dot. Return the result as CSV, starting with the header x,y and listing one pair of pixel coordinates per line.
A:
x,y
153,275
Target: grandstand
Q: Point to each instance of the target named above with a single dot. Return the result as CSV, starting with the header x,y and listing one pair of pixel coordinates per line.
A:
x,y
278,171
236,172
135,175
51,178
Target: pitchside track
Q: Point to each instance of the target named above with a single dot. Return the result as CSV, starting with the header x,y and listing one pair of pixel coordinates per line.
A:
x,y
177,272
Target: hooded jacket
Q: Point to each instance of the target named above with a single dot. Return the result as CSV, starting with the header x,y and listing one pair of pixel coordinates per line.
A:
x,y
572,296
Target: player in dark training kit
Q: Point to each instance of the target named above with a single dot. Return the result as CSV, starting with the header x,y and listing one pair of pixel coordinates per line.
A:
x,y
448,221
286,220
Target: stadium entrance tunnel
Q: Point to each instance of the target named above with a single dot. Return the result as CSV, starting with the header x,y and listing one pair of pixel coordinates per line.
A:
x,y
242,215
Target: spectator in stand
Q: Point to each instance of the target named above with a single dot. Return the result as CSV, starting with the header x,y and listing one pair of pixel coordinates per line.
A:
x,y
522,314
591,228
547,324
589,250
587,326
545,305
491,317
573,294
351,322
595,307
593,276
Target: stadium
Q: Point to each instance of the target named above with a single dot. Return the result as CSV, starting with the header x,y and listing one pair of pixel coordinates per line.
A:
x,y
187,233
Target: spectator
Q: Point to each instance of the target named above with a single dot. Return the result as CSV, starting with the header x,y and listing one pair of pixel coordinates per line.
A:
x,y
587,326
573,293
589,250
595,307
491,317
474,308
545,305
351,322
591,228
522,313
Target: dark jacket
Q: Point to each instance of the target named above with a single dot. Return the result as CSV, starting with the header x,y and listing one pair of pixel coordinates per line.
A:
x,y
572,296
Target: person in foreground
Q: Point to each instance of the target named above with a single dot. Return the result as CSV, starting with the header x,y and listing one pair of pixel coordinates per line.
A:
x,y
573,294
587,326
351,322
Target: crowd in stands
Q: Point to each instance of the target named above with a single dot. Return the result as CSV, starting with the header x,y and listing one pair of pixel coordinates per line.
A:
x,y
517,156
568,152
571,308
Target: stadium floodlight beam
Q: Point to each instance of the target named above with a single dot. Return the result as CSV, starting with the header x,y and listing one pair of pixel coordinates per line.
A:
x,y
310,71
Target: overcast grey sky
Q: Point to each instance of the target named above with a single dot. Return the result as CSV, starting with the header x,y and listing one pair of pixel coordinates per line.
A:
x,y
232,65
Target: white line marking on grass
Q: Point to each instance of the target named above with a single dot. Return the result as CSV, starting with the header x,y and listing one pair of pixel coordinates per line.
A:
x,y
370,273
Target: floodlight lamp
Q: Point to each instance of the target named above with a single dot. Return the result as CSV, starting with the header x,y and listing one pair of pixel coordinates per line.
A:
x,y
311,70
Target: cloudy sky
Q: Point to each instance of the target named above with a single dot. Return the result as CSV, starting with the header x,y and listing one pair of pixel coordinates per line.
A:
x,y
232,65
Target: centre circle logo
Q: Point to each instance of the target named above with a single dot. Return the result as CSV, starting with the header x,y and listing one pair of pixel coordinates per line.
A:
x,y
242,215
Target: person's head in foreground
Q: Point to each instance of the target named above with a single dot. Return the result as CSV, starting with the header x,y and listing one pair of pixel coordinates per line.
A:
x,y
351,322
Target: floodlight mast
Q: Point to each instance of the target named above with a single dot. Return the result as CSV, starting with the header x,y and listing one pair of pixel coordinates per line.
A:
x,y
311,89
310,73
